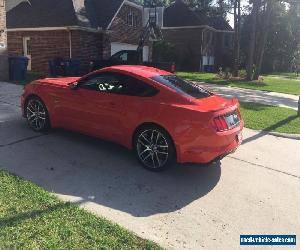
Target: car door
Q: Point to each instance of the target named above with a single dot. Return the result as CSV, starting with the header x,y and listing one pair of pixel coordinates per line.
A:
x,y
95,107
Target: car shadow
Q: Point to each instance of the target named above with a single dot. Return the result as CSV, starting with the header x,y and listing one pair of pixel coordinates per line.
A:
x,y
271,128
106,174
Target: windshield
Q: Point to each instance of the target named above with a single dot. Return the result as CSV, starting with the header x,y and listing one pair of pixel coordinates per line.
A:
x,y
182,86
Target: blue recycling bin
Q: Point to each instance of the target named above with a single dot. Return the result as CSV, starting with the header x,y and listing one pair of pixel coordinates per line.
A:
x,y
17,68
64,67
208,68
72,67
57,67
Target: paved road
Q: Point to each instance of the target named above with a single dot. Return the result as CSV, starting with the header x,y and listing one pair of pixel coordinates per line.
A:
x,y
258,96
255,190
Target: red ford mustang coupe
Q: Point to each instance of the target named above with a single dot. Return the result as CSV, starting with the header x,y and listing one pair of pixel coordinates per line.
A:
x,y
162,117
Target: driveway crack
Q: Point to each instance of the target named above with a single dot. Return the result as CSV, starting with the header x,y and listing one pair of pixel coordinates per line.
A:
x,y
22,140
265,167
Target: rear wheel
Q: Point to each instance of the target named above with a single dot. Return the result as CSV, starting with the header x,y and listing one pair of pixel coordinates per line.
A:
x,y
37,114
154,148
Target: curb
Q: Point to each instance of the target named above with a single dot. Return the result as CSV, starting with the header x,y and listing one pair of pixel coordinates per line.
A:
x,y
277,134
283,135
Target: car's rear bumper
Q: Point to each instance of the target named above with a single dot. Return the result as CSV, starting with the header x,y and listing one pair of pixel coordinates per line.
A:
x,y
211,153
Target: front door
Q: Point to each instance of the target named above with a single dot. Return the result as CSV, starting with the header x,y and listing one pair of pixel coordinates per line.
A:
x,y
96,107
26,50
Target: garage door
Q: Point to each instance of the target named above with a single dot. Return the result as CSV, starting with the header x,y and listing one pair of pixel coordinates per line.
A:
x,y
116,47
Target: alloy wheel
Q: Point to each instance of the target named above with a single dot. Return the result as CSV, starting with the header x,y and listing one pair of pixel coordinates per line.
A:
x,y
153,148
36,114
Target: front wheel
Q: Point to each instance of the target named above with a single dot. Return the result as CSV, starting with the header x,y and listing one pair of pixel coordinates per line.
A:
x,y
37,114
154,148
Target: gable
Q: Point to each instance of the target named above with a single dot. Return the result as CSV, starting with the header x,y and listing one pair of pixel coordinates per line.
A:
x,y
109,9
179,14
13,3
60,13
189,17
46,13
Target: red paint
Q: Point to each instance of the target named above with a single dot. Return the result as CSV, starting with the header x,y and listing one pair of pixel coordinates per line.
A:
x,y
189,121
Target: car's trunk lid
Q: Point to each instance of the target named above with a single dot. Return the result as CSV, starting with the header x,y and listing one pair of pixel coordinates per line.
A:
x,y
215,103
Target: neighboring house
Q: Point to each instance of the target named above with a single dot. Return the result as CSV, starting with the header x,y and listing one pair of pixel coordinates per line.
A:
x,y
3,50
201,43
13,3
83,29
2,24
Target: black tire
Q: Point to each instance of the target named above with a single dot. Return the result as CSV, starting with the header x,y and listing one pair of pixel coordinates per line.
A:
x,y
36,114
154,148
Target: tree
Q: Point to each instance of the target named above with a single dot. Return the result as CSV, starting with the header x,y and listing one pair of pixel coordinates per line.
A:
x,y
254,14
296,61
276,36
237,27
268,8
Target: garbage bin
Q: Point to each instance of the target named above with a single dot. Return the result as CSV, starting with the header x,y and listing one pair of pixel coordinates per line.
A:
x,y
211,68
206,68
57,67
17,68
72,67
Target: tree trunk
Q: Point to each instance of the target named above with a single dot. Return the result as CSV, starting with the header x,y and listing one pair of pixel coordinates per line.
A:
x,y
237,26
263,40
256,5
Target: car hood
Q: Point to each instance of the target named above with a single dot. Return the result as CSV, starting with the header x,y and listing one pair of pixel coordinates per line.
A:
x,y
63,82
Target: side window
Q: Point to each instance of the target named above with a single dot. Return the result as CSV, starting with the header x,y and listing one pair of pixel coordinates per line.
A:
x,y
118,84
108,83
136,87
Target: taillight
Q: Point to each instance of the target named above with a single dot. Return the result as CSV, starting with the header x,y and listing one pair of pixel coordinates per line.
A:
x,y
227,121
220,124
173,68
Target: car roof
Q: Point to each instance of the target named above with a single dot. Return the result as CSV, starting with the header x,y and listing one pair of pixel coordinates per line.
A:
x,y
138,70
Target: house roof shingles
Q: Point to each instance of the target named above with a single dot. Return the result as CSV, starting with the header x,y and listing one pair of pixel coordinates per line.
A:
x,y
59,13
180,15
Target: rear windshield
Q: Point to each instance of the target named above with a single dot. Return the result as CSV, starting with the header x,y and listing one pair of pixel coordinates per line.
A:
x,y
183,86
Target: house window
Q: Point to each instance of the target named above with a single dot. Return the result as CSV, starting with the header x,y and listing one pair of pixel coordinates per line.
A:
x,y
227,41
1,3
135,20
132,19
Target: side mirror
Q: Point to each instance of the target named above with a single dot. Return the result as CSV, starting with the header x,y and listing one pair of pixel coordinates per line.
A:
x,y
74,86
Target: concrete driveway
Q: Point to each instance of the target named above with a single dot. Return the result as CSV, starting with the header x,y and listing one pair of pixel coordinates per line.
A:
x,y
254,191
257,96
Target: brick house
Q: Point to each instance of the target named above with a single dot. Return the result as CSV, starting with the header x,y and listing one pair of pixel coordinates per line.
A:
x,y
202,43
83,29
2,24
3,49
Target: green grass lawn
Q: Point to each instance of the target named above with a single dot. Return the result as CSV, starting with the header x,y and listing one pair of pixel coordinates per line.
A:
x,y
31,218
270,118
282,83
